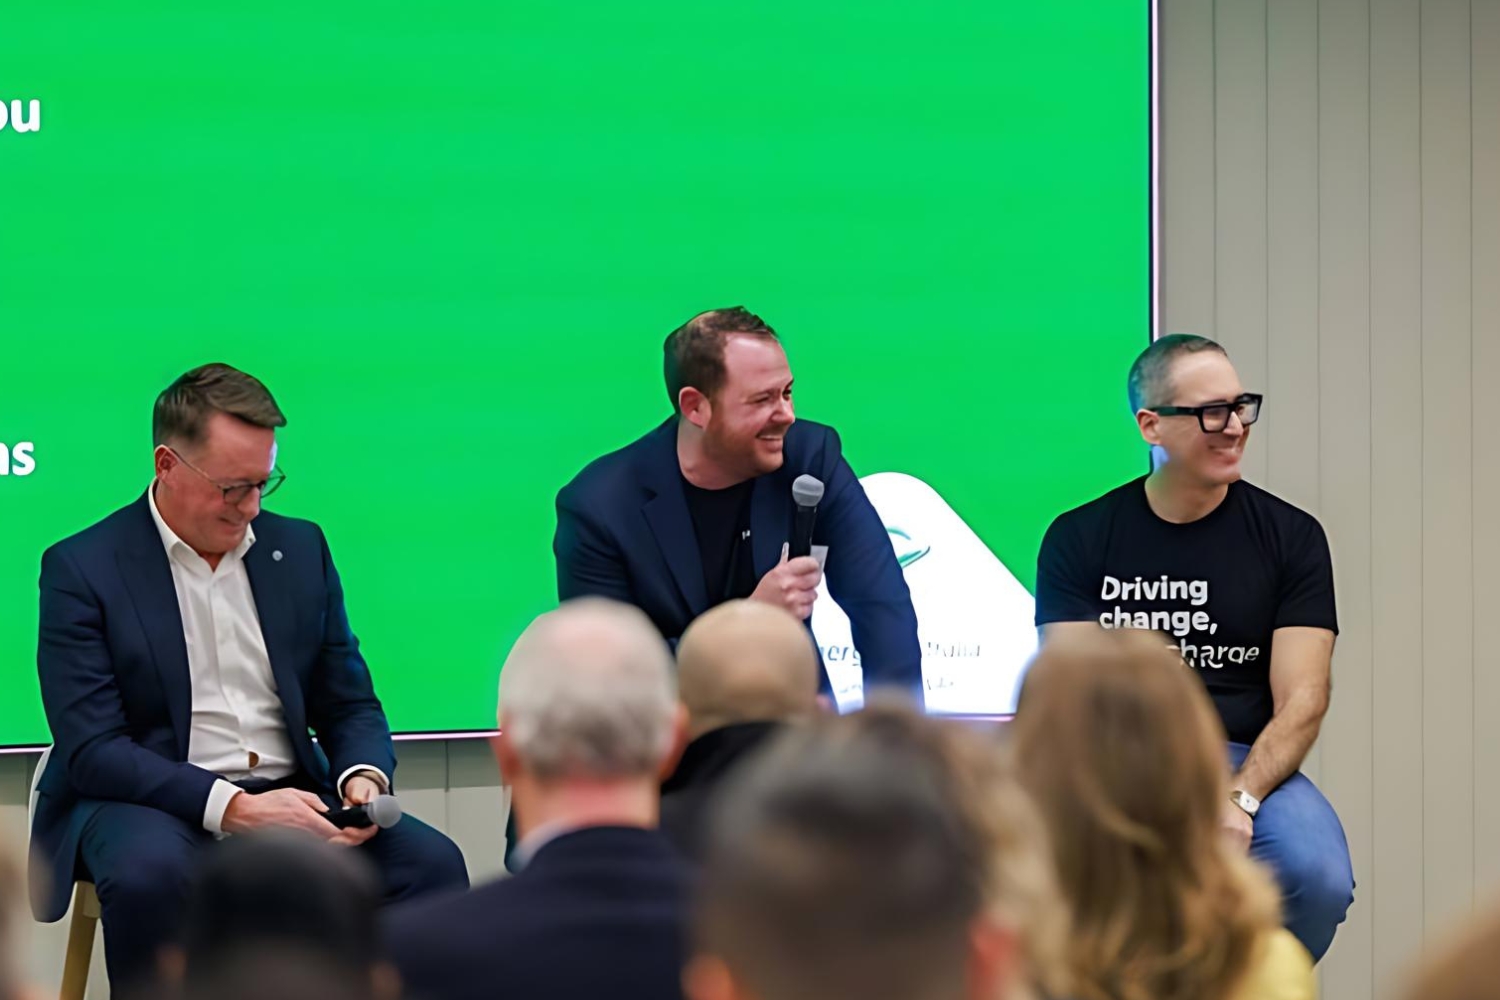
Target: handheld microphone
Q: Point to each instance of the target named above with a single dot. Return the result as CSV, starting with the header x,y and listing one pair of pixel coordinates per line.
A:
x,y
807,491
382,811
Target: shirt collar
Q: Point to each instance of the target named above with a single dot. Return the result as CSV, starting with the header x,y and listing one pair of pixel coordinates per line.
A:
x,y
176,546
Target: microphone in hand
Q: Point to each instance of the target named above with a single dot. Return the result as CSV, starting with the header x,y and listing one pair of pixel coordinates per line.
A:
x,y
807,493
382,811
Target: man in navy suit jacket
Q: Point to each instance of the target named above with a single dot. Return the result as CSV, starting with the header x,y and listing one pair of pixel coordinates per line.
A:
x,y
697,512
184,656
588,727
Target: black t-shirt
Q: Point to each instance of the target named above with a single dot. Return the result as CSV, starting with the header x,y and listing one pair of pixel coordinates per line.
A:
x,y
721,520
1218,586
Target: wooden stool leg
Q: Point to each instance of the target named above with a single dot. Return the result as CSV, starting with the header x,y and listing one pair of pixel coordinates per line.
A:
x,y
81,930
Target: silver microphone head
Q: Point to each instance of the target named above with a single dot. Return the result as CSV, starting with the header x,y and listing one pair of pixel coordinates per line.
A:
x,y
807,491
384,811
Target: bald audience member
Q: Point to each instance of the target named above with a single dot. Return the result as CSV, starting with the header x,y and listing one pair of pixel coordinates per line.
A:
x,y
744,670
589,725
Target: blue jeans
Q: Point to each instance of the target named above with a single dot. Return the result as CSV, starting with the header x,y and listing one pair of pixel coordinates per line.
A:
x,y
1299,837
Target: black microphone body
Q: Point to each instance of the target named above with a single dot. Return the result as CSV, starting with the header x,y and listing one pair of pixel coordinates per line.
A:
x,y
382,811
807,492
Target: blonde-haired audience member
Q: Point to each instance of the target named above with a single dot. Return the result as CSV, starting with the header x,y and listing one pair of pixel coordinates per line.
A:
x,y
876,856
1465,967
1122,750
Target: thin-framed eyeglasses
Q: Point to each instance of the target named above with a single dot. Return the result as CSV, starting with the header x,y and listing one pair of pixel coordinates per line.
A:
x,y
1214,417
236,493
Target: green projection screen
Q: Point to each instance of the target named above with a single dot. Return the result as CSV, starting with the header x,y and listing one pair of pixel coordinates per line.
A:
x,y
451,237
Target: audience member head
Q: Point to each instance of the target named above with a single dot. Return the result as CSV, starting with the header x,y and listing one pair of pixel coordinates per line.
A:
x,y
1464,967
1183,370
731,386
1121,748
875,856
745,661
286,891
214,431
589,721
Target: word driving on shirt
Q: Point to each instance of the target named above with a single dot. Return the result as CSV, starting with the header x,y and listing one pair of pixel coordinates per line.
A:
x,y
1194,621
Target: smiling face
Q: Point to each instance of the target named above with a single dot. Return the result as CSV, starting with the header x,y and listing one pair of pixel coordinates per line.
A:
x,y
1209,459
744,421
232,452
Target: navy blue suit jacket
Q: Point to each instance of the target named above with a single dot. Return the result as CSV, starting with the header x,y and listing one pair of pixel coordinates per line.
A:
x,y
598,912
114,672
624,532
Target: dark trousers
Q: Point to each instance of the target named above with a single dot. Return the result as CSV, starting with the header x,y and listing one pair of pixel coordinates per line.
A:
x,y
142,860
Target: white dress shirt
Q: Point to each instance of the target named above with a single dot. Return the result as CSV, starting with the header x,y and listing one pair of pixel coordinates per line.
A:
x,y
238,726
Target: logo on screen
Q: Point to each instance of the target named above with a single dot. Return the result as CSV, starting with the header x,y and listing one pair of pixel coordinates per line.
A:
x,y
17,459
22,116
908,550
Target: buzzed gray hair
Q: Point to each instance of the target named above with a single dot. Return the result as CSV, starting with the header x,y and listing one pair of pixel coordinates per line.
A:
x,y
1150,380
588,691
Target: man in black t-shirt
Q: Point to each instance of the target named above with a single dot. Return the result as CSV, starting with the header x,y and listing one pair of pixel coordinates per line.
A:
x,y
1240,583
699,511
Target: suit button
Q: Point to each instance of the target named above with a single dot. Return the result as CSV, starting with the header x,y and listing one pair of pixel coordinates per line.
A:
x,y
254,760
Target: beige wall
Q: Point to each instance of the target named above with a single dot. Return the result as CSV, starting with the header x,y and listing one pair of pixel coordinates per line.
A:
x,y
1331,211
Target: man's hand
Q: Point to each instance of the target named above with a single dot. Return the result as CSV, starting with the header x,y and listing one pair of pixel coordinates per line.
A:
x,y
285,807
1237,826
359,790
792,585
291,808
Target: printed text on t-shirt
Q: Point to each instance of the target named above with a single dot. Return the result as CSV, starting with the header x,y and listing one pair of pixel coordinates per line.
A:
x,y
1191,622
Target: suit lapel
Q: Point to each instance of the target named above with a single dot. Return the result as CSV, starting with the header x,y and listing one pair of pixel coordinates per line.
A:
x,y
148,580
671,524
768,522
278,622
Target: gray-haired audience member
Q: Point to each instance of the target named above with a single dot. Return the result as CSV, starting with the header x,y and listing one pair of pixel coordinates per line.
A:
x,y
589,725
744,670
288,893
864,857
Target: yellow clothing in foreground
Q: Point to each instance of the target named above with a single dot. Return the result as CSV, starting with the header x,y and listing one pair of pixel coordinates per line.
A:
x,y
1283,972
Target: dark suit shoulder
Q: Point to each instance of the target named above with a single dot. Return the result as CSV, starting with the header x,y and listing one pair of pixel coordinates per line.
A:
x,y
615,897
133,523
812,447
618,470
104,534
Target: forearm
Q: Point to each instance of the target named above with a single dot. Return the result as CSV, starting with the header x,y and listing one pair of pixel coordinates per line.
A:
x,y
1282,746
117,769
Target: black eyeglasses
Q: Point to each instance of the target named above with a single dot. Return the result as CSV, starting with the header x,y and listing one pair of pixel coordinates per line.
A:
x,y
1214,417
235,494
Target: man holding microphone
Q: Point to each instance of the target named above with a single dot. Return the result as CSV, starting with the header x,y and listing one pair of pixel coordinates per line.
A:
x,y
701,510
190,645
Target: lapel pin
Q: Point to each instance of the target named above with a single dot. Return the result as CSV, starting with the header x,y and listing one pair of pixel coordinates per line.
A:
x,y
276,555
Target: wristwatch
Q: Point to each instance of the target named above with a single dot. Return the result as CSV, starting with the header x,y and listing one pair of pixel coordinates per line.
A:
x,y
1245,801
